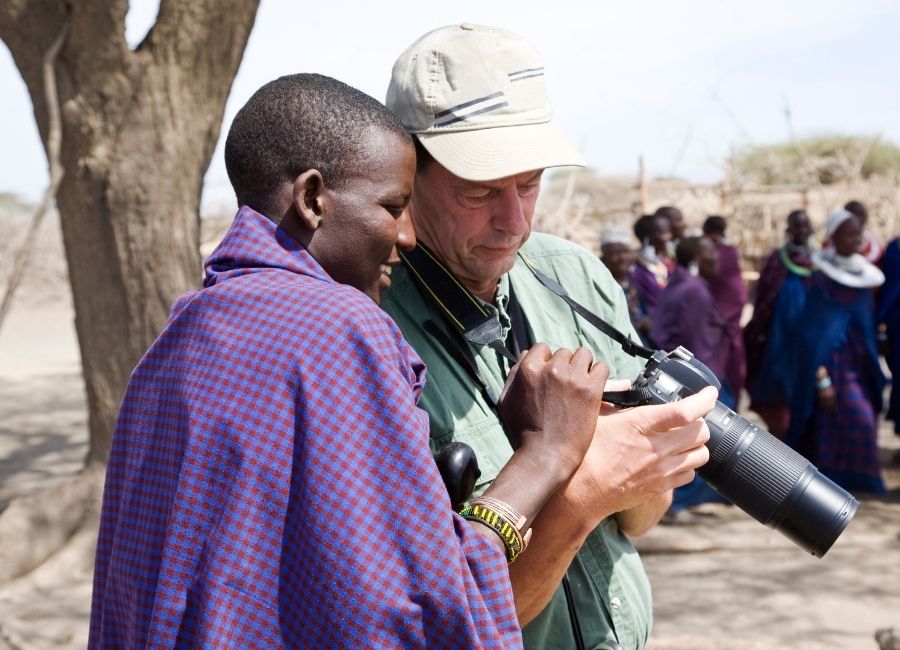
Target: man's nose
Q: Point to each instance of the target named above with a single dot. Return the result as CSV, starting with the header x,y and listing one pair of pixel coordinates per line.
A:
x,y
406,236
508,213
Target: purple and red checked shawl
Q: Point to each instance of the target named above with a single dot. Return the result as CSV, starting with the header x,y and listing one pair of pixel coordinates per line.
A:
x,y
270,483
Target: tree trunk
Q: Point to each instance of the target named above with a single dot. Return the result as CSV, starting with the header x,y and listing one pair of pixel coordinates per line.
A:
x,y
139,128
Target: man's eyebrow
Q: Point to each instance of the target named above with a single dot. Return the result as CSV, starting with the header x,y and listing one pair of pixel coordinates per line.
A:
x,y
397,197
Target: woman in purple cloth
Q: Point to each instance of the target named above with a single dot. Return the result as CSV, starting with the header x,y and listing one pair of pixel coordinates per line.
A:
x,y
837,396
686,315
768,337
729,291
653,264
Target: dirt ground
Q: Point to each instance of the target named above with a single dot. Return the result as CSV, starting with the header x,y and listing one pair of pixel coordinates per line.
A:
x,y
720,579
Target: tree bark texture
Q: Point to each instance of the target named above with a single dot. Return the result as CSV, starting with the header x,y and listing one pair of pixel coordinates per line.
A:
x,y
139,129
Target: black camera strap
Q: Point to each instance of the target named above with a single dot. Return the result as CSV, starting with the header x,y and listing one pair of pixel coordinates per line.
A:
x,y
461,308
628,346
475,323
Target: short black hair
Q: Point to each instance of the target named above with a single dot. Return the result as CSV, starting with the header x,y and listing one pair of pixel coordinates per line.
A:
x,y
668,211
423,156
296,123
793,215
644,226
687,250
714,225
857,209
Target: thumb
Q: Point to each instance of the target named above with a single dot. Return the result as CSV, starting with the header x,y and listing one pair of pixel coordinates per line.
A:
x,y
662,417
618,384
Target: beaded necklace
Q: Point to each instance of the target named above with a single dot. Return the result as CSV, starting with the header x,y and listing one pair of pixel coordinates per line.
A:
x,y
792,266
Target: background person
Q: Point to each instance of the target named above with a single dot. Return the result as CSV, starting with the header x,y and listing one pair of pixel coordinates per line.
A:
x,y
837,397
650,272
870,246
677,224
889,318
618,256
475,101
729,291
286,495
768,336
687,315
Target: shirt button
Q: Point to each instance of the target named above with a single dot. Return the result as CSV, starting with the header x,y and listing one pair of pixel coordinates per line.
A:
x,y
615,602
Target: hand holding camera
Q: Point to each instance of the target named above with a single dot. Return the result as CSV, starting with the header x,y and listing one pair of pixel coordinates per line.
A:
x,y
550,404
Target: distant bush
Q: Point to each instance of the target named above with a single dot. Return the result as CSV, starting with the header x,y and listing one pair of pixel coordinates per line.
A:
x,y
14,204
826,159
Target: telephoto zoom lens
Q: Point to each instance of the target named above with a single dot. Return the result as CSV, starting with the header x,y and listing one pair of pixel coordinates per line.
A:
x,y
752,468
773,483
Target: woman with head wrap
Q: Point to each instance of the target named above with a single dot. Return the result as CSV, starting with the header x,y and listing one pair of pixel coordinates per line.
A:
x,y
837,395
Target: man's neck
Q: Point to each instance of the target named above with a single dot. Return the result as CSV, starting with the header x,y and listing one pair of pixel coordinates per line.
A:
x,y
487,292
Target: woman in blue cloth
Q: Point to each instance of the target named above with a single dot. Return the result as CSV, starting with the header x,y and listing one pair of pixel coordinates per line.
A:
x,y
889,317
837,395
769,336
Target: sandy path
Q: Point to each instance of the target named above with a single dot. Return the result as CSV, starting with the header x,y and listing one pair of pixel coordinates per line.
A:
x,y
721,580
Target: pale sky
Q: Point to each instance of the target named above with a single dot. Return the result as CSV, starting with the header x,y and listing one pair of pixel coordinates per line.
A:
x,y
680,83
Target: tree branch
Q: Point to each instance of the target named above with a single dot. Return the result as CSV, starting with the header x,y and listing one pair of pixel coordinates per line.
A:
x,y
97,45
29,27
54,145
185,36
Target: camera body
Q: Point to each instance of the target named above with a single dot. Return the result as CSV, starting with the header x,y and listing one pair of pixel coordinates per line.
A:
x,y
749,466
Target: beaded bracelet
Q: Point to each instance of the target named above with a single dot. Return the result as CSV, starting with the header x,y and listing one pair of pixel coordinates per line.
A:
x,y
511,514
507,530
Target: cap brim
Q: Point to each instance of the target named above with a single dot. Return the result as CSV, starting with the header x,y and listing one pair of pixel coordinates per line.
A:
x,y
488,154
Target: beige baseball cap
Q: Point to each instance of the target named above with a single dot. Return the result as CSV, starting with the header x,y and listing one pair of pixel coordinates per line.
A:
x,y
475,98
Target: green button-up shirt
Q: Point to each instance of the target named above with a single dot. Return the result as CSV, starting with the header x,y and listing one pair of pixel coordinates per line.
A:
x,y
610,589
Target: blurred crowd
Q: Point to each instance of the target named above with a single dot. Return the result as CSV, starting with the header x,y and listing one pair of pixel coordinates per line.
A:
x,y
825,313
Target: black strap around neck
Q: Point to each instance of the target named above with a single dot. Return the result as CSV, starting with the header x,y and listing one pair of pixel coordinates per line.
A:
x,y
628,346
462,309
471,320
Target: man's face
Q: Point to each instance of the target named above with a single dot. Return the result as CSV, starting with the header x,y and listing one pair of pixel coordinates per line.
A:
x,y
475,227
848,237
367,217
707,259
661,234
800,229
677,224
618,259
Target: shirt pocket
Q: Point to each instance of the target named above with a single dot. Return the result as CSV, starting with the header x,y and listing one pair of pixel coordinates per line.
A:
x,y
488,440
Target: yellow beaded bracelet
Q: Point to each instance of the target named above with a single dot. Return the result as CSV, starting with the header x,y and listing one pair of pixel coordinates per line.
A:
x,y
507,530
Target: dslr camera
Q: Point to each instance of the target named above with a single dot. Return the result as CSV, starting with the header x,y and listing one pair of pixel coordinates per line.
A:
x,y
749,466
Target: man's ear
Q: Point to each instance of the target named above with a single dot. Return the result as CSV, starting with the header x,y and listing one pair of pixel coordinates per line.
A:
x,y
310,198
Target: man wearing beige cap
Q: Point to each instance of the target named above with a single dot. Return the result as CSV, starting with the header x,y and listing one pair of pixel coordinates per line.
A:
x,y
475,101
